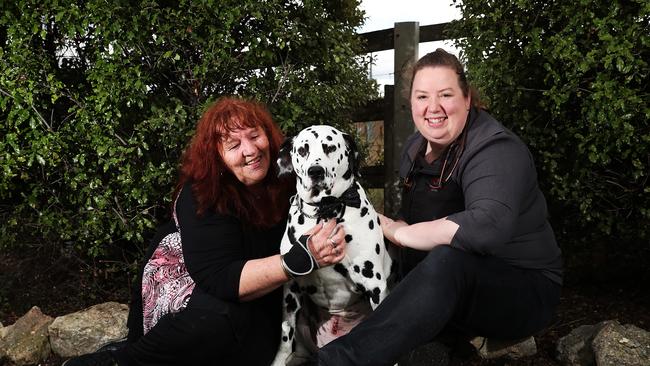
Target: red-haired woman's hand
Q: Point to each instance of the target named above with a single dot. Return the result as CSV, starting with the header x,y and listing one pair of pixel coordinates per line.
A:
x,y
327,243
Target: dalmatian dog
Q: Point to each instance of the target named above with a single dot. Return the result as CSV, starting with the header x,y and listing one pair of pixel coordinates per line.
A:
x,y
329,301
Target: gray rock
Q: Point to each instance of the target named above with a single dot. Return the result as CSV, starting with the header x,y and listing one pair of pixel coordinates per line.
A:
x,y
622,345
3,333
574,349
87,330
26,342
490,348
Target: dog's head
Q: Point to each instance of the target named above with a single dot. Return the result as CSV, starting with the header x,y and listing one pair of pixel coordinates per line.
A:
x,y
324,160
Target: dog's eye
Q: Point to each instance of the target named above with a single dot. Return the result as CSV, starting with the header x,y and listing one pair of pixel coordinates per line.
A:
x,y
327,149
303,150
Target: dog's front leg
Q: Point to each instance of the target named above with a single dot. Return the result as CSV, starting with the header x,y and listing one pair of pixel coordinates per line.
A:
x,y
371,276
291,305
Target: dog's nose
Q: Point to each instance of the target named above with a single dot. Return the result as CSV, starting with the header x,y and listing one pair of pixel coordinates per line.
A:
x,y
316,172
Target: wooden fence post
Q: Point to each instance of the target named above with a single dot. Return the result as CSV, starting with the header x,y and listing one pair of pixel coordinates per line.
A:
x,y
406,40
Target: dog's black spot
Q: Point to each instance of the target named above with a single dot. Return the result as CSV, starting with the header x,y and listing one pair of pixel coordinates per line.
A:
x,y
295,288
303,150
367,269
371,224
348,238
378,275
315,192
338,267
377,249
360,288
291,304
374,295
285,339
328,192
329,138
311,289
356,268
327,149
378,221
364,211
348,175
301,219
340,220
314,133
291,233
335,132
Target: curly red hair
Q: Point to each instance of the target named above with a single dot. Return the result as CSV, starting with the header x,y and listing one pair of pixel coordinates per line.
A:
x,y
213,185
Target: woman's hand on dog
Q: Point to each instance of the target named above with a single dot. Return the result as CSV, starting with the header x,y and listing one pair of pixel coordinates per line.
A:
x,y
327,243
389,227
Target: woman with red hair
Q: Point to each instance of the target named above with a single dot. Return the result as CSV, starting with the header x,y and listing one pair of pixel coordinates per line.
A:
x,y
211,288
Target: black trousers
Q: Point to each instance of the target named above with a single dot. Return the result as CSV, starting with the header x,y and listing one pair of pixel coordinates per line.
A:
x,y
200,337
190,337
479,295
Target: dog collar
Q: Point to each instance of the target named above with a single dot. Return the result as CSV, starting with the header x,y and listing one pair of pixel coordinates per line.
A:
x,y
330,207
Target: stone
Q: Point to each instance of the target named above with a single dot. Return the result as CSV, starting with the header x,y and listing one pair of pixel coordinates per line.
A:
x,y
26,341
87,330
574,349
621,345
490,348
3,333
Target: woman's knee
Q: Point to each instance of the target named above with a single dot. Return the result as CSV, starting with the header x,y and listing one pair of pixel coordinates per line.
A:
x,y
446,257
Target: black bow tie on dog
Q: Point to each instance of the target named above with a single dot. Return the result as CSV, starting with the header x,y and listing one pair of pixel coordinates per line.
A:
x,y
330,207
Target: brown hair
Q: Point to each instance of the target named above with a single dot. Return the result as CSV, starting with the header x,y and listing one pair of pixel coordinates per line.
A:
x,y
213,185
442,58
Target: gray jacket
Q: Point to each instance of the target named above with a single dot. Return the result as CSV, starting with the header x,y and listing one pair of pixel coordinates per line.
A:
x,y
505,212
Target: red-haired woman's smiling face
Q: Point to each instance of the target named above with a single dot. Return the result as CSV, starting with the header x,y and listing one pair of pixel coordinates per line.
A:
x,y
246,153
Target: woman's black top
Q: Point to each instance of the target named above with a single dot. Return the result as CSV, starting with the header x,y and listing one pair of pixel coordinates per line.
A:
x,y
215,249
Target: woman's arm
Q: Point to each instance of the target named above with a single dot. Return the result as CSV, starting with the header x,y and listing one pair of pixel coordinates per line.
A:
x,y
261,276
215,257
421,236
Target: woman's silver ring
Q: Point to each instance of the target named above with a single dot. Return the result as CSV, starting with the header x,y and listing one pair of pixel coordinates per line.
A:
x,y
333,243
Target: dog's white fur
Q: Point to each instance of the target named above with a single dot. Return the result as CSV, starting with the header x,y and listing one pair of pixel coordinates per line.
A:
x,y
361,277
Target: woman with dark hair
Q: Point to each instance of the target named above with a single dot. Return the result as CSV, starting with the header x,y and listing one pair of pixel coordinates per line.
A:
x,y
477,254
210,289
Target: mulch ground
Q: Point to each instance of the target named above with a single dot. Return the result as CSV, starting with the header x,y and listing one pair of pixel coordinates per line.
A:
x,y
60,285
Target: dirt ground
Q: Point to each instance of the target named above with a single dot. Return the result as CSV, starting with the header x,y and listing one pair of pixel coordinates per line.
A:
x,y
62,284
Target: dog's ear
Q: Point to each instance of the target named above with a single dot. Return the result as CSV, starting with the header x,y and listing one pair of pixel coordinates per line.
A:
x,y
285,166
354,158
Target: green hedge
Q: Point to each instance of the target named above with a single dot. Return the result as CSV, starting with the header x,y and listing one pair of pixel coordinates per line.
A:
x,y
571,78
98,99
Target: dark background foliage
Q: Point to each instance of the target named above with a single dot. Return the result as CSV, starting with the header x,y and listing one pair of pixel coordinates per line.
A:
x,y
571,78
98,99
